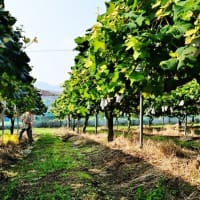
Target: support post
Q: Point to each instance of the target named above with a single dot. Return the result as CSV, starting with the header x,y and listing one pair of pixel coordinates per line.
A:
x,y
185,128
96,122
141,120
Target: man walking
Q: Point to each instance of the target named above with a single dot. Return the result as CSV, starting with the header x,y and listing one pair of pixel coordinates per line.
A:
x,y
27,119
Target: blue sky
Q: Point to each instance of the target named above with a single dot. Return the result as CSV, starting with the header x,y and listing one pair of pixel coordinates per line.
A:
x,y
56,24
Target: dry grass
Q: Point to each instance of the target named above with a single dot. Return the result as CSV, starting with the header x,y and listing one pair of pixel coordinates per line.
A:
x,y
170,149
172,130
63,131
166,156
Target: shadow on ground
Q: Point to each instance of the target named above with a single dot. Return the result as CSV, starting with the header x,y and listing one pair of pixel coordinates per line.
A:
x,y
124,176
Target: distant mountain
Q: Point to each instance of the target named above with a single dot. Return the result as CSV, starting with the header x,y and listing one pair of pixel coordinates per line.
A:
x,y
48,87
48,93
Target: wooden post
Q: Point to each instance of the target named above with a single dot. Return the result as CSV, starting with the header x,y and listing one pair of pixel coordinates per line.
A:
x,y
96,122
185,128
141,120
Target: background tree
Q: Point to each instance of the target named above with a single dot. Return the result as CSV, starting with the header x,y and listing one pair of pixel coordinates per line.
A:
x,y
13,60
178,103
148,46
16,83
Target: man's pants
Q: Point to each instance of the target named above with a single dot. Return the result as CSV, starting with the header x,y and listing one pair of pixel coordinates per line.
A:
x,y
29,134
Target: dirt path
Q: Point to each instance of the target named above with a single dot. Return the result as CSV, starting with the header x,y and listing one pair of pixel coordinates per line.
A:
x,y
108,174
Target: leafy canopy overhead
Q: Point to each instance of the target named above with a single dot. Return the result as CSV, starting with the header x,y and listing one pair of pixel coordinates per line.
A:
x,y
153,46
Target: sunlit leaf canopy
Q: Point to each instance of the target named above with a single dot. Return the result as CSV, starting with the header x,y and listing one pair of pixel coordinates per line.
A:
x,y
136,45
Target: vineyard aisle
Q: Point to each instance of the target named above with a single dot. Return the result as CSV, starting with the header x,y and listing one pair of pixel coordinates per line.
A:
x,y
64,165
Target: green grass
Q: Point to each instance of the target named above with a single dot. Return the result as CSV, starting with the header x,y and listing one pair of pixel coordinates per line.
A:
x,y
5,131
160,192
48,160
193,145
45,130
